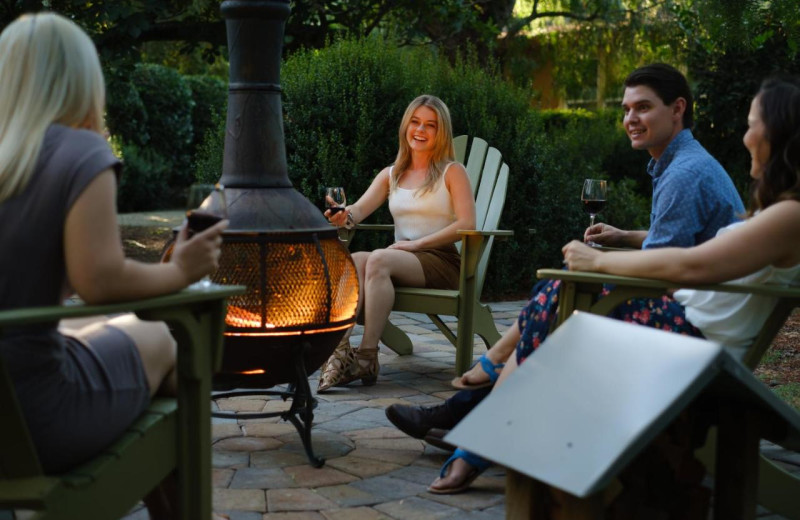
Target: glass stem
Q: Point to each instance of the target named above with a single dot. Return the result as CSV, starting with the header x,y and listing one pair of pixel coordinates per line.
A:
x,y
591,220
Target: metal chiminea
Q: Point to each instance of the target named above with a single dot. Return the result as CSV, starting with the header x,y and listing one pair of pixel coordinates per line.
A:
x,y
302,283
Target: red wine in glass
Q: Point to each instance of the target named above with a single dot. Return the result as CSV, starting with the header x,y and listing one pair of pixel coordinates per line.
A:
x,y
335,200
593,207
199,220
593,198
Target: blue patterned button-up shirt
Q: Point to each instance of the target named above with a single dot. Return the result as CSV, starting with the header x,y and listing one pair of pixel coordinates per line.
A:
x,y
693,196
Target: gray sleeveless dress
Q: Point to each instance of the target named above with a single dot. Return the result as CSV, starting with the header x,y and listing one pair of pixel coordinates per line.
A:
x,y
77,398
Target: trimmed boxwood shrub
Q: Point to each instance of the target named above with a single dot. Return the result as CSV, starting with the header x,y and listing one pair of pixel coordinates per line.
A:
x,y
150,118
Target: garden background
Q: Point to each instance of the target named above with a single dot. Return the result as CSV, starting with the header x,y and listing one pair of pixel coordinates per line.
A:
x,y
539,80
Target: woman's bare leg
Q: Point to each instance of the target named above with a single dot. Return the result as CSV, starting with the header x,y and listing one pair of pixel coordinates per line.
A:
x,y
385,268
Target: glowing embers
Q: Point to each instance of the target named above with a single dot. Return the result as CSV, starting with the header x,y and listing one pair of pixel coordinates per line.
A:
x,y
293,287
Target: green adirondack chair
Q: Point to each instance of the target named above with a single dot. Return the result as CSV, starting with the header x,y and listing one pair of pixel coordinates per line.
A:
x,y
488,175
173,434
778,490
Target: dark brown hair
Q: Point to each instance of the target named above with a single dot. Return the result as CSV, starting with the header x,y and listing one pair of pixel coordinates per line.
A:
x,y
779,100
668,83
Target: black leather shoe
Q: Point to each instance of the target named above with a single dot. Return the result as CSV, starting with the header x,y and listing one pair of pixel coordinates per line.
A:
x,y
417,420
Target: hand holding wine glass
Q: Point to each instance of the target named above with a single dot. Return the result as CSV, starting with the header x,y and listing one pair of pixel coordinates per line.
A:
x,y
212,210
593,198
335,201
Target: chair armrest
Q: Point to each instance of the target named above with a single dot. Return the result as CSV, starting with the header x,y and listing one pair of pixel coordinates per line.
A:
x,y
78,310
775,290
375,227
500,234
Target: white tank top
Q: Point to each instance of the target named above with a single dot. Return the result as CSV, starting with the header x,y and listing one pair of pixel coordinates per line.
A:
x,y
418,215
734,319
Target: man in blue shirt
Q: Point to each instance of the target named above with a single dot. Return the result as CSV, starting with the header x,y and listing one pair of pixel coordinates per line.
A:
x,y
693,197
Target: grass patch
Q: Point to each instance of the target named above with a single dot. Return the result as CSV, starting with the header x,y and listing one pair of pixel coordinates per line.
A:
x,y
790,393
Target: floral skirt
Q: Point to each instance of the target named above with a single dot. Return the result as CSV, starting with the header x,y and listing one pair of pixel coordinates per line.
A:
x,y
538,316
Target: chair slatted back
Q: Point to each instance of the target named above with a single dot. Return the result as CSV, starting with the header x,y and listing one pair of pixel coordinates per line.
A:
x,y
492,222
488,176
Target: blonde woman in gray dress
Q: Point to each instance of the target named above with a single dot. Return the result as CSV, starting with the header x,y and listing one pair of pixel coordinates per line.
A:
x,y
79,387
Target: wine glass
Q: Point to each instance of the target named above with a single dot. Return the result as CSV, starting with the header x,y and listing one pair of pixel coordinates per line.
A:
x,y
213,209
335,200
593,198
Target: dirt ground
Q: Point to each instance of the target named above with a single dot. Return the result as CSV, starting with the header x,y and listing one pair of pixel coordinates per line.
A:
x,y
780,367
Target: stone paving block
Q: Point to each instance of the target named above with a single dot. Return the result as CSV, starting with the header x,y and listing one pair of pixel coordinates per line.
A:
x,y
261,478
415,508
404,443
383,432
263,429
393,456
325,443
348,496
239,500
476,515
241,404
418,328
429,385
387,390
248,444
417,474
358,513
359,420
432,354
242,515
228,429
277,406
299,515
346,393
389,488
308,476
360,467
276,459
476,498
230,459
298,499
399,375
221,477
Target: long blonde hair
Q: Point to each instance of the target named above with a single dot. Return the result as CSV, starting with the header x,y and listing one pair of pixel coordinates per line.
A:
x,y
443,151
49,73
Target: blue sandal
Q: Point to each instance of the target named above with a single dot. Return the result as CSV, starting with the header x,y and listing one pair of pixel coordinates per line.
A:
x,y
488,367
478,464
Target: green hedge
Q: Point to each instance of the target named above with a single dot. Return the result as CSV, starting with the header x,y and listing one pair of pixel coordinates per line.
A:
x,y
157,119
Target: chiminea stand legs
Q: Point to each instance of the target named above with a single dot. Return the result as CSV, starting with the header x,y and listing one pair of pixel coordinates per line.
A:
x,y
300,413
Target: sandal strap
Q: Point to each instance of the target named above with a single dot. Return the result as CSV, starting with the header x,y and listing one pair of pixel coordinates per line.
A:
x,y
491,368
366,355
476,461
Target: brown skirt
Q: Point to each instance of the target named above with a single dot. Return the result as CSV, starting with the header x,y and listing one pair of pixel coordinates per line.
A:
x,y
441,266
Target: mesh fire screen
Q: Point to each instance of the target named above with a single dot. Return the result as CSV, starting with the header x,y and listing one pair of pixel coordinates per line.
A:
x,y
293,286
